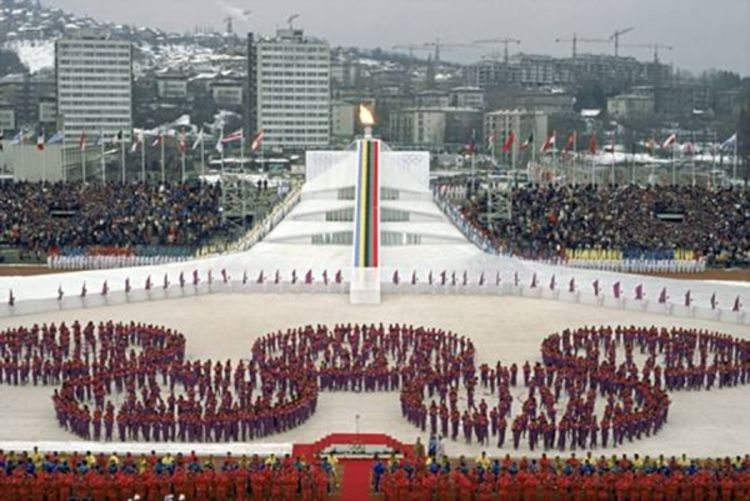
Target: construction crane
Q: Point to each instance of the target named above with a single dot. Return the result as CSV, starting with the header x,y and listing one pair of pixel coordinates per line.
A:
x,y
411,48
575,40
290,20
654,46
616,37
437,46
501,41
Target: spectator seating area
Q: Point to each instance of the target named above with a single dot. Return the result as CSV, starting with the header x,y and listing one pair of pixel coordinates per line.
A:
x,y
114,218
57,475
589,477
637,223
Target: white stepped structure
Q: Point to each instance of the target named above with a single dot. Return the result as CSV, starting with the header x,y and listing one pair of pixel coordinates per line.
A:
x,y
417,240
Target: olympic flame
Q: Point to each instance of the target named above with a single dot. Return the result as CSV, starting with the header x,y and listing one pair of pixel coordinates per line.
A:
x,y
365,116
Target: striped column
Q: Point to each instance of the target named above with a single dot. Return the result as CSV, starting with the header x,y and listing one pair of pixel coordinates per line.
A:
x,y
367,205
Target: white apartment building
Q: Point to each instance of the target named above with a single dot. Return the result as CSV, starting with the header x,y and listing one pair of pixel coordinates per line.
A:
x,y
290,90
94,86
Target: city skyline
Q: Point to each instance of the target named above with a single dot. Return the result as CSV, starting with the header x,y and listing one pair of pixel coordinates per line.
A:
x,y
703,36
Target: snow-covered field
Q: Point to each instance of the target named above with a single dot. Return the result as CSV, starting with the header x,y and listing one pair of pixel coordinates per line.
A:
x,y
503,328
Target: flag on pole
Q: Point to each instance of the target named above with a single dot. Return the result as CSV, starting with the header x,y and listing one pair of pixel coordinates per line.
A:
x,y
593,146
116,138
82,141
40,141
57,138
529,142
137,140
183,142
508,144
572,138
257,140
235,136
672,139
548,143
198,140
220,143
729,143
18,138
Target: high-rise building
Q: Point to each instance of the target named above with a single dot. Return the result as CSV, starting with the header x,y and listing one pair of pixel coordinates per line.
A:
x,y
94,78
289,90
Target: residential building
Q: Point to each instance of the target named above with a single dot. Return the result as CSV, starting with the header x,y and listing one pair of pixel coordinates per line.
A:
x,y
171,86
94,78
523,123
467,97
630,106
289,90
343,123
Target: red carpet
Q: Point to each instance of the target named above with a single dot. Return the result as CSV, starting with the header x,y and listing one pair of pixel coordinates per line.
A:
x,y
355,485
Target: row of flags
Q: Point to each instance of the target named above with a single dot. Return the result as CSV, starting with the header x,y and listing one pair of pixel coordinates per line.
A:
x,y
139,139
550,143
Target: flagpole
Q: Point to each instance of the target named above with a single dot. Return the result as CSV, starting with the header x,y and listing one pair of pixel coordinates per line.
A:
x,y
554,158
183,166
612,174
123,157
83,161
44,166
23,151
63,158
575,155
103,162
203,155
674,171
692,155
736,154
163,159
222,180
143,158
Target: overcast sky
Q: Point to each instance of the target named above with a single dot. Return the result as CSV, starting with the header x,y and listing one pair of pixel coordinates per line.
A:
x,y
705,33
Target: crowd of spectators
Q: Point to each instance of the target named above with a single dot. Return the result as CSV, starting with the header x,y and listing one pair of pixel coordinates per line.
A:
x,y
44,218
54,475
549,220
563,478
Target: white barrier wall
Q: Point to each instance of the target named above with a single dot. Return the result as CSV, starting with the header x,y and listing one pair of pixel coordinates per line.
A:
x,y
95,299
